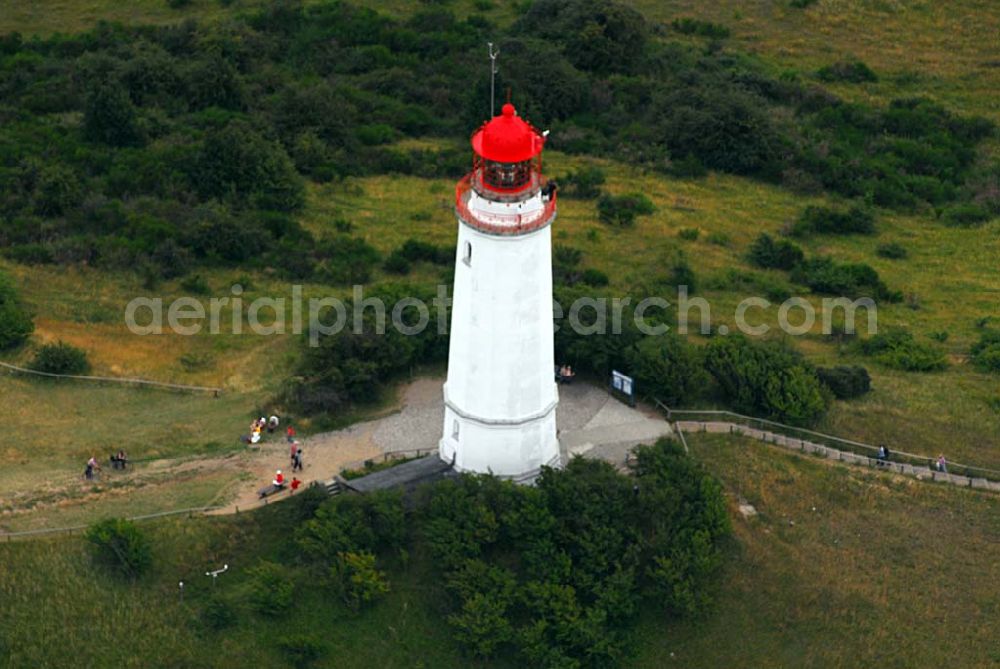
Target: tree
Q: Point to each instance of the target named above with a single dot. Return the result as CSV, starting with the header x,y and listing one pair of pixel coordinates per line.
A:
x,y
481,626
15,322
271,588
359,582
769,253
667,367
236,160
110,117
119,544
765,379
986,352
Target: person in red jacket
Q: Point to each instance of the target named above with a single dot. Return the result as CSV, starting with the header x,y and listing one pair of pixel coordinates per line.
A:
x,y
279,479
295,484
290,434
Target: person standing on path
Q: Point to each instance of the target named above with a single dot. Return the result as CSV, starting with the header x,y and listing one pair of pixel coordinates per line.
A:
x,y
293,451
290,434
297,461
942,464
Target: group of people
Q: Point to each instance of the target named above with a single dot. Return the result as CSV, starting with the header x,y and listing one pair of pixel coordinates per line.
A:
x,y
564,374
296,455
279,481
940,465
118,460
258,426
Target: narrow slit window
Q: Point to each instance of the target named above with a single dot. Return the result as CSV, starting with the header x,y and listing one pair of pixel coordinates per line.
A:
x,y
454,430
467,254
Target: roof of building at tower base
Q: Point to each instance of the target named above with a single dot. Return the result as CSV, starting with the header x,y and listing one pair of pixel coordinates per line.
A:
x,y
507,138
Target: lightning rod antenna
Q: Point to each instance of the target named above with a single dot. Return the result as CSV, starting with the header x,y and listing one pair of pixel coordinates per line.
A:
x,y
493,76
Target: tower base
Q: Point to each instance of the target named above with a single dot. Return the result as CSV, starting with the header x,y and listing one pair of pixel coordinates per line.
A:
x,y
510,449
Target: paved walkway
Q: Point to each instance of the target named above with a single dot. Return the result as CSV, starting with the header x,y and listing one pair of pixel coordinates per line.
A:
x,y
823,451
590,421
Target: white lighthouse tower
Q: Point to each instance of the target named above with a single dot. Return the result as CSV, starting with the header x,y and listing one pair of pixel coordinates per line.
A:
x,y
500,397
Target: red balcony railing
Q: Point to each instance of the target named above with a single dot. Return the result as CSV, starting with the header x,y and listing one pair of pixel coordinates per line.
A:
x,y
501,224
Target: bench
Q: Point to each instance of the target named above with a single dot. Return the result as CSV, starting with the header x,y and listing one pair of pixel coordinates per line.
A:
x,y
270,489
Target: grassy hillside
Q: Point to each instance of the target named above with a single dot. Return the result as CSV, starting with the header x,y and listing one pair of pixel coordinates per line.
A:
x,y
841,567
944,51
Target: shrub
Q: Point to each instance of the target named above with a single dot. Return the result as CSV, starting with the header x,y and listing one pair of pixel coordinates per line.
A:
x,y
218,613
584,183
801,4
769,253
360,583
196,285
831,221
667,367
965,215
855,72
898,349
986,352
60,358
594,277
845,381
397,263
15,323
718,238
301,649
824,275
891,250
415,250
119,545
688,167
689,26
689,234
622,210
271,588
765,379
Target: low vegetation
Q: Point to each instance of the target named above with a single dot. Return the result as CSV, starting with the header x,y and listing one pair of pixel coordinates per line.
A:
x,y
898,349
15,322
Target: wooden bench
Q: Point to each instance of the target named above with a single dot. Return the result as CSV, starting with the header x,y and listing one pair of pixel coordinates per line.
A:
x,y
270,489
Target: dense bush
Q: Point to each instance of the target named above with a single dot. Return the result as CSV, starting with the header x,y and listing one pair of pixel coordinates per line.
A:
x,y
891,250
552,574
986,352
845,381
666,367
60,358
359,582
180,120
415,250
899,350
689,26
832,221
824,275
622,210
965,215
854,72
771,253
15,322
119,545
302,650
584,183
272,590
765,379
594,278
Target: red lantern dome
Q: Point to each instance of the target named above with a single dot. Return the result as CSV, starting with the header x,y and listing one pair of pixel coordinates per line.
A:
x,y
507,138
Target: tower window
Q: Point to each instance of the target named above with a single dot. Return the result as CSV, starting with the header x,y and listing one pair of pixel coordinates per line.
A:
x,y
454,430
506,176
467,254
